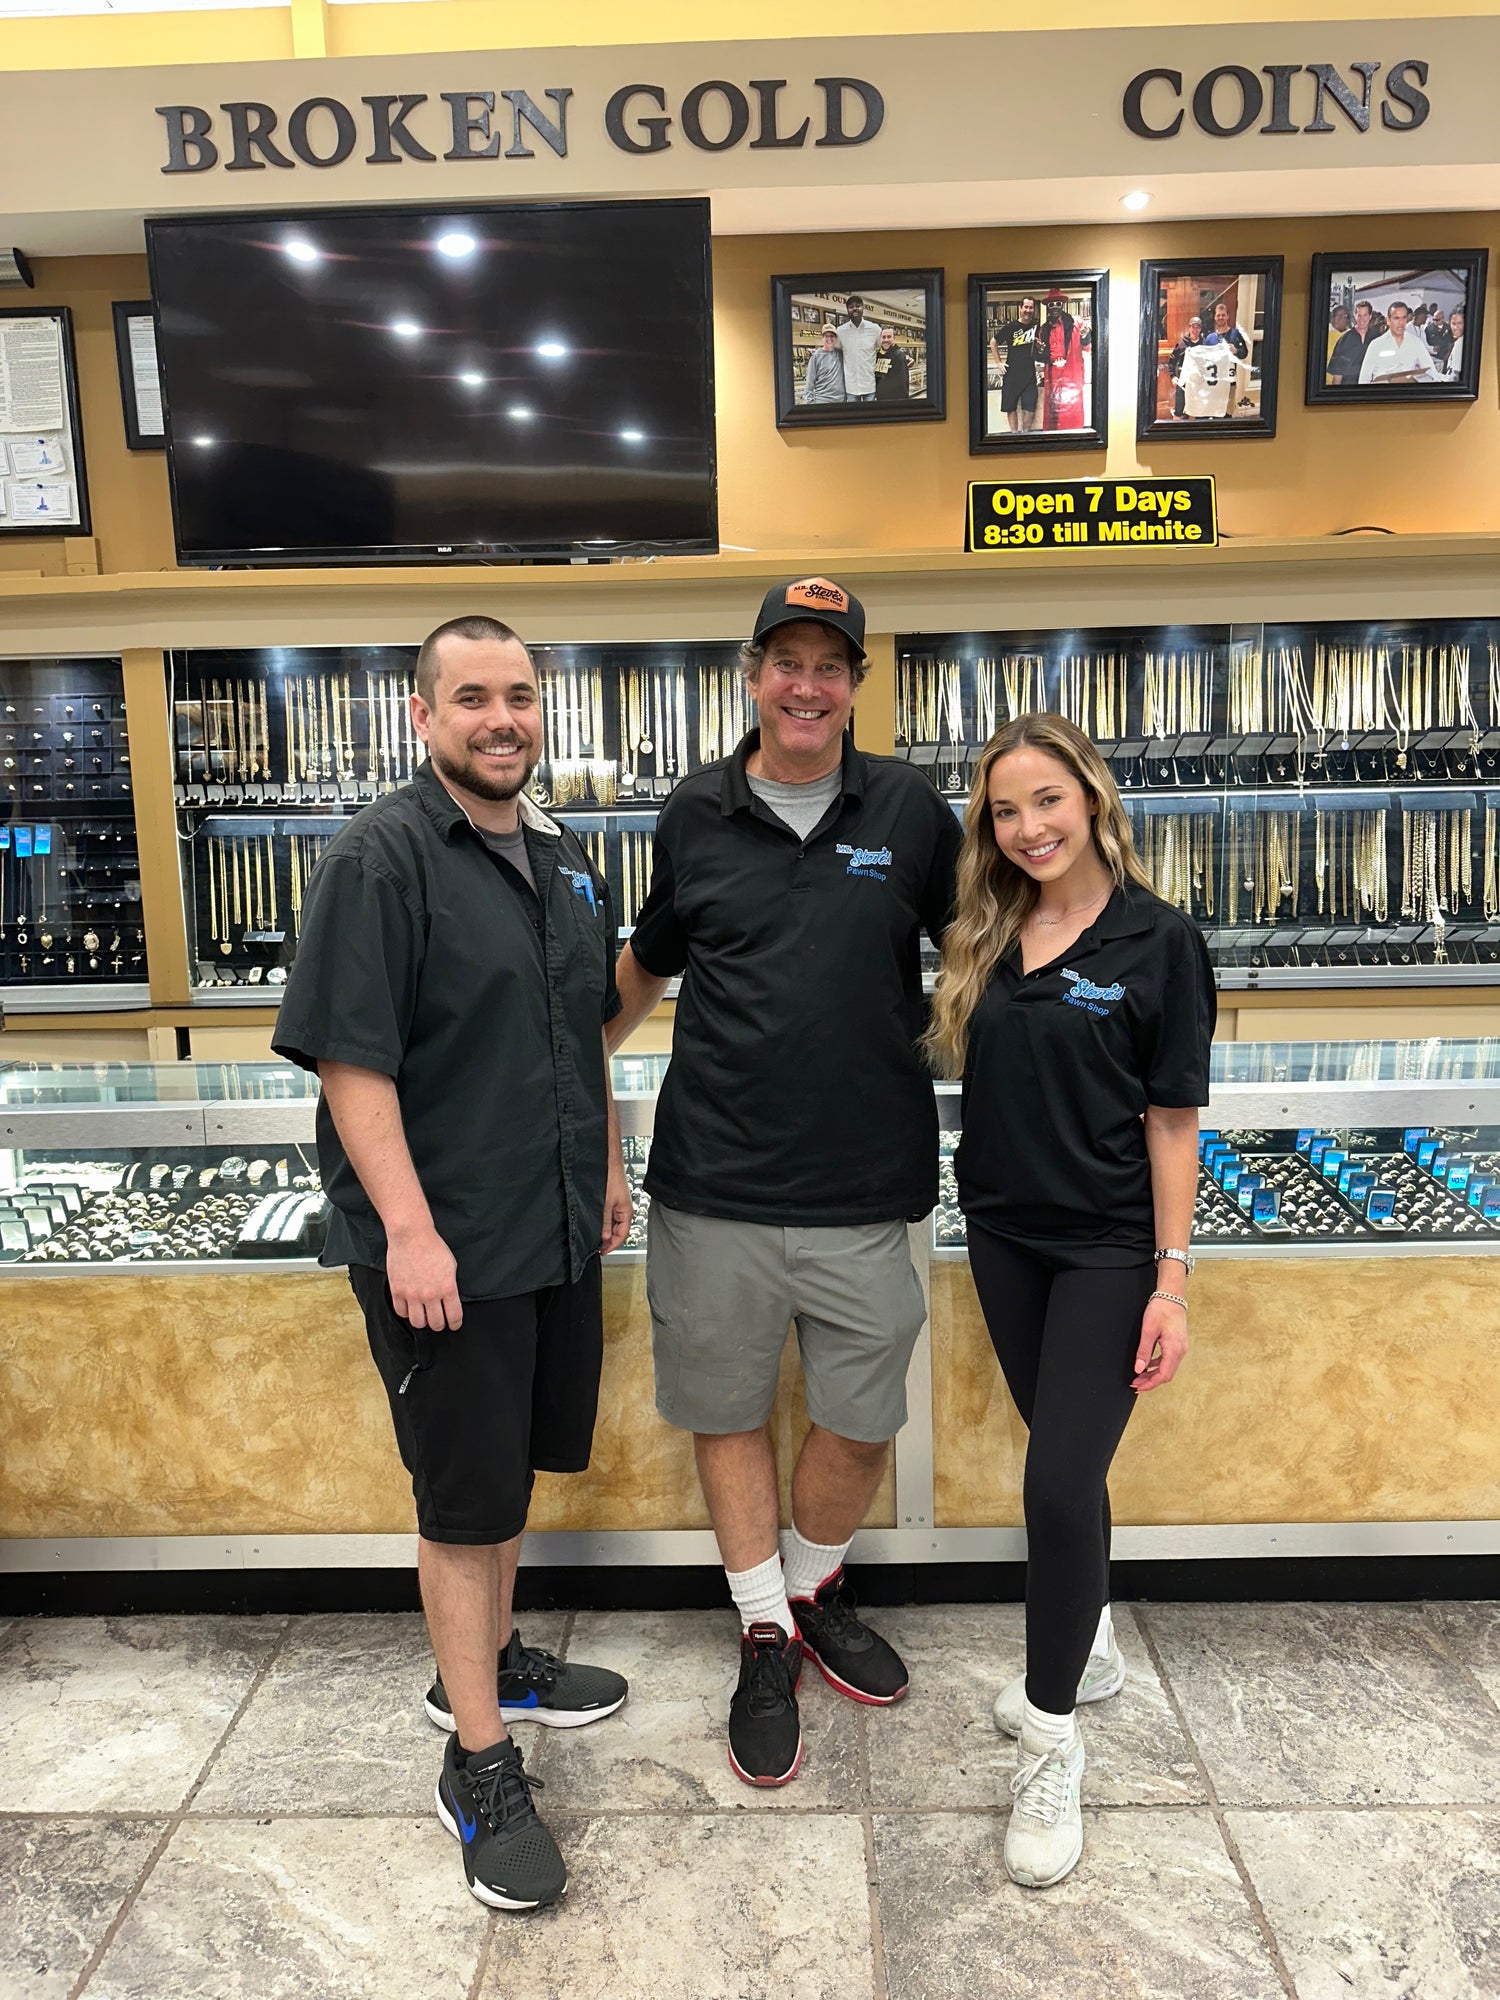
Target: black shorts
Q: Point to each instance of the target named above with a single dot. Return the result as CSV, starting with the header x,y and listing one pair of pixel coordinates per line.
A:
x,y
477,1412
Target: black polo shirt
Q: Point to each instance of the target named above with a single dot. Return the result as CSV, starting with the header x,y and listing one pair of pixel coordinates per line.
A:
x,y
427,957
1062,1063
796,1094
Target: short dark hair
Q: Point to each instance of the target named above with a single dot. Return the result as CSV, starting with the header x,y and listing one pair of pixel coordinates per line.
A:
x,y
475,626
753,657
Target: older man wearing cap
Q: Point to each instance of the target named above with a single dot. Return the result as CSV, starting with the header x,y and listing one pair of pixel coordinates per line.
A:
x,y
795,1138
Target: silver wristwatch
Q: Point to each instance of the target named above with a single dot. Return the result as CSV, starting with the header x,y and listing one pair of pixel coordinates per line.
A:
x,y
1178,1257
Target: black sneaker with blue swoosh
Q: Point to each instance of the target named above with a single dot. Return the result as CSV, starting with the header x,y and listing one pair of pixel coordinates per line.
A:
x,y
511,1861
534,1686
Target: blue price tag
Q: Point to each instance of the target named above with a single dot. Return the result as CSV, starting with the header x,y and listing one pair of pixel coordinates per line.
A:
x,y
1265,1205
41,840
1382,1204
1346,1174
1489,1208
1458,1175
1411,1136
1333,1159
1232,1179
1427,1150
1359,1188
4,839
1479,1187
23,843
1245,1193
1304,1140
1206,1138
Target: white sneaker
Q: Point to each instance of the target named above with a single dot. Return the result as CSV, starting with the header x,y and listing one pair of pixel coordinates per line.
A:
x,y
1103,1676
1045,1836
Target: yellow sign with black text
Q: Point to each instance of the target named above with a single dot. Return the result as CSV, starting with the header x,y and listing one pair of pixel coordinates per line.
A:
x,y
1034,514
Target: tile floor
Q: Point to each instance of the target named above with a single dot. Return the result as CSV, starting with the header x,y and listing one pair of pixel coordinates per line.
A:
x,y
1286,1800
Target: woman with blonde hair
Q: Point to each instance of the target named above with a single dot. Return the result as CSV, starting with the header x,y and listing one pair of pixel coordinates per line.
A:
x,y
1078,1007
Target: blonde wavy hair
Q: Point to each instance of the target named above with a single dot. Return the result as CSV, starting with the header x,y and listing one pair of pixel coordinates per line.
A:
x,y
994,896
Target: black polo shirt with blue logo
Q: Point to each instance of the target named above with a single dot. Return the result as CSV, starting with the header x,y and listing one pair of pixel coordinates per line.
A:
x,y
1062,1063
796,1094
426,956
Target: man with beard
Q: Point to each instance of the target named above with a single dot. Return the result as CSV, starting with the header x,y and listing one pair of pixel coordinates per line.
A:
x,y
1014,350
451,986
892,369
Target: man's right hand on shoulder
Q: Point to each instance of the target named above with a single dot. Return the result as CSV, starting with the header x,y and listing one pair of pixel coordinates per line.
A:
x,y
423,1276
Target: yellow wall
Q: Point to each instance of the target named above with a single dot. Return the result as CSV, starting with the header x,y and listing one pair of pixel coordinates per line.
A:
x,y
261,34
1415,471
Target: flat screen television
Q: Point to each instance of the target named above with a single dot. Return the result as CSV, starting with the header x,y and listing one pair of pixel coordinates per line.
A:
x,y
456,384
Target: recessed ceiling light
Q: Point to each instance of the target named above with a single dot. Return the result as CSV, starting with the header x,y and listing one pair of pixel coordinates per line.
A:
x,y
301,251
1138,199
456,243
472,379
405,329
632,437
551,350
519,414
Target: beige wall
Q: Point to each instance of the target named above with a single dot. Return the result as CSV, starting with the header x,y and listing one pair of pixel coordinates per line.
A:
x,y
1413,471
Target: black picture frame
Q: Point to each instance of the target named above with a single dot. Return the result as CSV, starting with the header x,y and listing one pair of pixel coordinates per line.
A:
x,y
1159,343
1425,272
127,313
820,297
1092,343
71,431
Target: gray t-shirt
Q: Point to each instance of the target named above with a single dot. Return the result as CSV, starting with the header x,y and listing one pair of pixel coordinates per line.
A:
x,y
801,806
511,847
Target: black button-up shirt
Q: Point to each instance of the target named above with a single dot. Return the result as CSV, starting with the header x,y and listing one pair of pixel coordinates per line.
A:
x,y
1062,1063
427,957
796,1094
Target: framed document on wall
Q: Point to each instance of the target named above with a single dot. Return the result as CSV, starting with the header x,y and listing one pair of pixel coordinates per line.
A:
x,y
43,490
140,376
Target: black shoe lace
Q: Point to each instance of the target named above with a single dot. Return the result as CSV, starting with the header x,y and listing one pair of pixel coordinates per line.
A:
x,y
769,1686
536,1666
502,1793
839,1619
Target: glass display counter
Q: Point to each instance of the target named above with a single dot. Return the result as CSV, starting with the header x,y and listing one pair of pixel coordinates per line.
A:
x,y
70,889
1324,799
1328,1145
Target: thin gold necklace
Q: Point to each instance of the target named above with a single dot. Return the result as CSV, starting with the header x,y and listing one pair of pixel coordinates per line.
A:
x,y
1063,915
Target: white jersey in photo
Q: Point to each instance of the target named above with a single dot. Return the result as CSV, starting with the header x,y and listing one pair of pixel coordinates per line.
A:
x,y
1210,379
860,344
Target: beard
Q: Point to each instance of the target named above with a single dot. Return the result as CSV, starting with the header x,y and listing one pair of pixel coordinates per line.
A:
x,y
470,776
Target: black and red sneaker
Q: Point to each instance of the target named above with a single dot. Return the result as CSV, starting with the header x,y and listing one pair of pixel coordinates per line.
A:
x,y
765,1730
850,1657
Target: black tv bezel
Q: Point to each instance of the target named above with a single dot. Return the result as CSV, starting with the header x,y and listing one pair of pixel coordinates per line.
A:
x,y
436,554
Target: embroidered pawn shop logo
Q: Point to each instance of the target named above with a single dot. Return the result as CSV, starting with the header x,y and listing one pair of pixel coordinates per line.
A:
x,y
583,885
868,861
1087,995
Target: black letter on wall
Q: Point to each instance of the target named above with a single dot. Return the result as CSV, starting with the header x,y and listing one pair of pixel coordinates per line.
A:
x,y
1135,118
692,116
466,125
1398,84
188,125
252,126
343,127
1331,84
657,128
1281,75
522,107
389,132
768,135
833,88
1252,97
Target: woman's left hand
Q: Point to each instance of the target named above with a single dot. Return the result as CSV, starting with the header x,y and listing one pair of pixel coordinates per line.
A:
x,y
1163,1344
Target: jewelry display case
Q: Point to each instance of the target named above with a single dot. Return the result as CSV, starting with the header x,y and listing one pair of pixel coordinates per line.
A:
x,y
1314,1146
70,889
1323,798
275,748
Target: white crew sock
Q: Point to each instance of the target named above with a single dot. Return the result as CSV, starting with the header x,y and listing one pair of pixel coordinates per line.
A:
x,y
1104,1637
1041,1731
760,1596
807,1564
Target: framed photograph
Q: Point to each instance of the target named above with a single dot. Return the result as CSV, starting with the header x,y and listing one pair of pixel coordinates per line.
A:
x,y
1210,348
43,490
1395,327
858,347
140,375
1038,361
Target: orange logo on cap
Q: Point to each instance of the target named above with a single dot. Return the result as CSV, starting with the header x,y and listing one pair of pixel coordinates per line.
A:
x,y
818,594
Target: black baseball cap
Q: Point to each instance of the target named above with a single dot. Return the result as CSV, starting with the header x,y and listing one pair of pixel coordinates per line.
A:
x,y
812,597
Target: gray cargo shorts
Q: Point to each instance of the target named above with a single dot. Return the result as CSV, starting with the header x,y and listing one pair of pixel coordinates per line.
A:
x,y
723,1295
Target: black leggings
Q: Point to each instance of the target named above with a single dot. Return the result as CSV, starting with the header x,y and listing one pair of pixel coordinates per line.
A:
x,y
1066,1341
